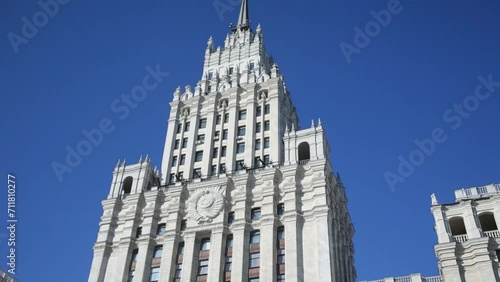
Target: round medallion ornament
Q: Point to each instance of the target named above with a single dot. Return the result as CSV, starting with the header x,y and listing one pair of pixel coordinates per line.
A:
x,y
206,203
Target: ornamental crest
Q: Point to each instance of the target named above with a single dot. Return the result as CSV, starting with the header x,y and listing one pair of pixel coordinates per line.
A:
x,y
206,203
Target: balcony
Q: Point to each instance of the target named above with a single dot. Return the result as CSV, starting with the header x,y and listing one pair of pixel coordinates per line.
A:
x,y
477,192
492,234
460,238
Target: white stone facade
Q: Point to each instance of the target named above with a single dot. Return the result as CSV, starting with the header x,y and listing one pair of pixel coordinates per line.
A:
x,y
468,246
243,194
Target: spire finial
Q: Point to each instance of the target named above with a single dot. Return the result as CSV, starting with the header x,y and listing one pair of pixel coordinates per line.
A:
x,y
243,20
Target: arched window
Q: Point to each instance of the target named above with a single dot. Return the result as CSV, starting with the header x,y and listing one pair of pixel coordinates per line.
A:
x,y
127,185
487,221
457,226
304,153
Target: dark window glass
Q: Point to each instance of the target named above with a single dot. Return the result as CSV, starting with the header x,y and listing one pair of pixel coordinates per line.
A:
x,y
267,109
257,144
242,115
174,161
224,134
240,148
177,143
179,128
202,123
281,209
183,160
258,127
158,251
226,118
205,244
255,214
198,157
186,127
162,228
197,173
266,142
230,218
224,151
138,232
184,143
218,119
254,260
241,130
258,111
203,267
281,233
255,237
267,125
215,153
171,179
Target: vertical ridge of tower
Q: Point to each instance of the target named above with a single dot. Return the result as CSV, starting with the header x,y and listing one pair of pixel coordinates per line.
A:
x,y
243,19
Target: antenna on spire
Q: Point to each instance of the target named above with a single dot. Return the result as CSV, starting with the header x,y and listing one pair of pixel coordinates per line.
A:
x,y
244,19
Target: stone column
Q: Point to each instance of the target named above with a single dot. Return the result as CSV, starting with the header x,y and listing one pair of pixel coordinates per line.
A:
x,y
471,222
143,259
240,252
441,227
100,261
169,258
268,237
189,267
215,260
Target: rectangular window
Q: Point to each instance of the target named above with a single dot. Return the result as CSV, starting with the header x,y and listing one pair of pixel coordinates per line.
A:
x,y
178,270
223,152
179,128
257,144
254,260
174,161
241,130
203,267
215,153
213,170
197,173
218,119
158,251
226,118
155,274
257,163
229,241
280,209
134,255
138,232
180,176
162,228
281,233
131,276
224,134
255,214
242,115
255,237
281,278
171,179
267,109
202,123
180,249
231,70
267,125
222,168
205,244
216,135
210,75
258,127
240,148
253,279
228,266
230,218
198,157
281,256
209,88
200,138
177,143
240,165
266,159
266,142
183,227
186,127
184,143
251,66
183,160
258,111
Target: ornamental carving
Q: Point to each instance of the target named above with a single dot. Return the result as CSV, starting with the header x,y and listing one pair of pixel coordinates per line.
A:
x,y
206,203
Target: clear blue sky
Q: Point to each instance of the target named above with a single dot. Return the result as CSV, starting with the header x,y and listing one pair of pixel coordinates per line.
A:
x,y
396,89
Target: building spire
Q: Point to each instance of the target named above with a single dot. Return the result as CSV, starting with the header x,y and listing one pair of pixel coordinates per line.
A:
x,y
243,20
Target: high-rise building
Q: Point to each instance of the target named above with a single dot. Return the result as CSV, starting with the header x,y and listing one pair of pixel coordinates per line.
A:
x,y
243,193
468,247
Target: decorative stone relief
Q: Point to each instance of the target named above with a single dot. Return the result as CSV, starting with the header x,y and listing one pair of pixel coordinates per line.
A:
x,y
206,203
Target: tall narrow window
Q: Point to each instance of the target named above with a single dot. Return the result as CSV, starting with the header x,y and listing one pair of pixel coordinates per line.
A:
x,y
138,232
184,143
267,125
251,66
155,274
218,119
179,128
226,118
174,161
213,170
158,251
240,148
186,126
200,138
240,165
267,109
255,237
230,218
171,179
231,70
254,260
241,130
177,143
266,159
258,127
267,143
224,134
222,168
162,229
127,185
258,111
242,115
205,244
210,75
183,225
255,214
198,157
183,160
203,267
257,144
280,209
215,153
223,151
197,173
228,265
202,123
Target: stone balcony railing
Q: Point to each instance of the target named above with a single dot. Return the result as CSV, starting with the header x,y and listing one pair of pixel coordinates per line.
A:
x,y
492,234
477,192
460,238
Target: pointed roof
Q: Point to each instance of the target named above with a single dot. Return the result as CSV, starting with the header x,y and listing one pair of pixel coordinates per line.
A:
x,y
243,20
